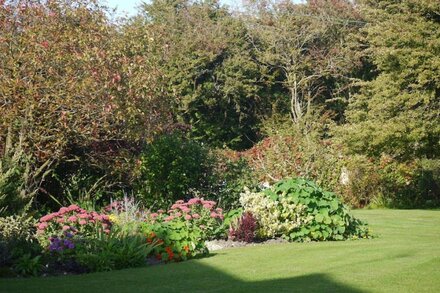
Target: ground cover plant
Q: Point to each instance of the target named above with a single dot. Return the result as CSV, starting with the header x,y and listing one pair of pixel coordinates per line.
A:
x,y
403,259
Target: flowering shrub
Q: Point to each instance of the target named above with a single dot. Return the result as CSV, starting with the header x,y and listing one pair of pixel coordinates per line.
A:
x,y
73,220
244,229
181,232
275,217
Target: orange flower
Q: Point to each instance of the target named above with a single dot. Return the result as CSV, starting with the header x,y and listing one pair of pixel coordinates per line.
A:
x,y
186,248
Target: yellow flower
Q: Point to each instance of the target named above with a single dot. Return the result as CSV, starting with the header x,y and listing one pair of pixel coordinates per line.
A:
x,y
113,218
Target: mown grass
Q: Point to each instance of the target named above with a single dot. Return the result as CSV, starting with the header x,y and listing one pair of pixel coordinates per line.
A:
x,y
405,258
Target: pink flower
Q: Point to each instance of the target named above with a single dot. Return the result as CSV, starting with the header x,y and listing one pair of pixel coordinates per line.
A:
x,y
210,202
188,217
170,211
196,216
60,220
65,228
177,214
207,206
42,226
213,215
83,216
63,210
161,211
154,215
82,222
185,209
46,218
72,219
105,217
219,210
169,218
72,207
97,217
106,231
194,201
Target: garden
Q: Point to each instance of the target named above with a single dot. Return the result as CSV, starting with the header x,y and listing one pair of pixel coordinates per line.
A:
x,y
193,147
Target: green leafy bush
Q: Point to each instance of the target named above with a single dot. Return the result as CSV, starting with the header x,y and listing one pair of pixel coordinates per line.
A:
x,y
299,210
114,250
172,167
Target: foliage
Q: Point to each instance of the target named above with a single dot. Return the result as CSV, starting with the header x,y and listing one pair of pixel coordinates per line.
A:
x,y
26,265
114,250
275,217
184,229
244,229
17,237
396,113
209,68
230,175
172,167
327,217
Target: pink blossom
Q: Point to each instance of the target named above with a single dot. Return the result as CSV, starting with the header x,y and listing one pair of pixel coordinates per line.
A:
x,y
60,220
185,209
196,216
97,217
210,202
207,206
177,214
161,211
42,226
72,207
175,206
169,218
72,219
194,201
213,215
188,217
219,210
106,231
83,216
105,217
170,211
63,210
82,222
46,218
154,215
65,228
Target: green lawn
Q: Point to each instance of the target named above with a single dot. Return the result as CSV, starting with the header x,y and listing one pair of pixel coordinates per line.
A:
x,y
406,258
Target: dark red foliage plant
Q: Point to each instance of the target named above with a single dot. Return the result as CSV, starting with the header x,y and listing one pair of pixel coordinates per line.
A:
x,y
244,229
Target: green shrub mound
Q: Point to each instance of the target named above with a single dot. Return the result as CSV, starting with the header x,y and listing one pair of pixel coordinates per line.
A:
x,y
326,217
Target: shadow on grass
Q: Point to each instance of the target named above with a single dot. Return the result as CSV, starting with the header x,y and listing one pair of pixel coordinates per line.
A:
x,y
190,276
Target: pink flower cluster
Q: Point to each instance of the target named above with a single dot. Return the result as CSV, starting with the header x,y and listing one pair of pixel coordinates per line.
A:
x,y
71,218
192,210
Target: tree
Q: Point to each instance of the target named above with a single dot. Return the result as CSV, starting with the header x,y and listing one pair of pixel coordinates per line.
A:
x,y
305,43
397,113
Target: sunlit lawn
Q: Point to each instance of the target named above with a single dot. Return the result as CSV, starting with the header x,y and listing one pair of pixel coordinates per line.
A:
x,y
405,258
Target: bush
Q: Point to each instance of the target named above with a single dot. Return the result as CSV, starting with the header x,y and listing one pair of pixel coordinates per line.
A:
x,y
182,231
298,210
17,238
172,167
244,228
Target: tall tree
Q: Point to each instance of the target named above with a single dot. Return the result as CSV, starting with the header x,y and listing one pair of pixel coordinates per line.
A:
x,y
398,112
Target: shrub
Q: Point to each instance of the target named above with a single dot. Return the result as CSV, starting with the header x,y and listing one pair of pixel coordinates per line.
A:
x,y
17,238
275,217
327,217
172,167
244,229
114,250
182,231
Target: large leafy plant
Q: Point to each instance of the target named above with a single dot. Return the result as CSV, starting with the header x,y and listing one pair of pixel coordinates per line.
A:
x,y
329,218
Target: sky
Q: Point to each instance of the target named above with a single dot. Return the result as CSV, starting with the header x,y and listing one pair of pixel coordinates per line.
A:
x,y
129,6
